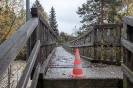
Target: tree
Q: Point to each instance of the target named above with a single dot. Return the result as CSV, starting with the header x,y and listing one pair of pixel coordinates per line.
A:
x,y
112,11
89,12
98,12
52,21
11,17
126,7
38,5
64,37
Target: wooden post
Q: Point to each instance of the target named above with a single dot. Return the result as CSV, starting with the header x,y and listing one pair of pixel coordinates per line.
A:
x,y
127,42
94,42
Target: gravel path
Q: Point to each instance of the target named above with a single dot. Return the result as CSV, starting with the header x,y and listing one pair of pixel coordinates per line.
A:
x,y
61,65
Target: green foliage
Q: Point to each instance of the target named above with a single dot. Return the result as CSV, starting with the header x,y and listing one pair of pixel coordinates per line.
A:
x,y
64,37
52,21
79,32
89,12
112,11
99,12
12,17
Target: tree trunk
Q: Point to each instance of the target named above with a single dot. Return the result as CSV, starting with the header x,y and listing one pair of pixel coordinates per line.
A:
x,y
101,18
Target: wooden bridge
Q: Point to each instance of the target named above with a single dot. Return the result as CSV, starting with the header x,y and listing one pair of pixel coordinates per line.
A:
x,y
101,44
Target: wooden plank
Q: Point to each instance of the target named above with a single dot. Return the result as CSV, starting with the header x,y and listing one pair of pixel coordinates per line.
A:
x,y
111,44
127,44
35,77
118,34
110,53
111,36
128,20
99,35
125,30
88,39
118,57
107,26
11,47
44,43
98,52
114,53
105,38
85,51
27,71
45,63
105,53
127,72
89,44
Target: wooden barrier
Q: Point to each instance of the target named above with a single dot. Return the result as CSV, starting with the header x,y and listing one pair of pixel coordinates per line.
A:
x,y
100,44
127,42
35,77
27,71
45,34
43,41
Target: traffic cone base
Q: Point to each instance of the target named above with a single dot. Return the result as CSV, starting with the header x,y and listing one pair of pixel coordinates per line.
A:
x,y
77,71
77,75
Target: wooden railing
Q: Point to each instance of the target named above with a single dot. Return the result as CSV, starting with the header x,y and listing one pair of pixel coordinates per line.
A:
x,y
43,41
127,42
100,44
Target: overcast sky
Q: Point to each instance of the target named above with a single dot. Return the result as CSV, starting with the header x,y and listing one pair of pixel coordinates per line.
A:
x,y
66,15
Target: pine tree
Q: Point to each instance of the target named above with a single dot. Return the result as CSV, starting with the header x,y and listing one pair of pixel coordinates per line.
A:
x,y
98,12
89,12
113,6
52,21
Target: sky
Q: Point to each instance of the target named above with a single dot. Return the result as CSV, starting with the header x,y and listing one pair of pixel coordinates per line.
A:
x,y
66,15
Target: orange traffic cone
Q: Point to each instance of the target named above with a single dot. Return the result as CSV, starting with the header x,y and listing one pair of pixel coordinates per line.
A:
x,y
77,70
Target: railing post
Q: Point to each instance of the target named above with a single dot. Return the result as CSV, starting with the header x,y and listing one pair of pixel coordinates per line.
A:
x,y
94,42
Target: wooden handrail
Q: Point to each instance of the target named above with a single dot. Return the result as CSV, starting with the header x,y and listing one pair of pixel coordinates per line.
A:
x,y
127,44
128,20
35,77
127,72
11,47
84,45
27,71
44,43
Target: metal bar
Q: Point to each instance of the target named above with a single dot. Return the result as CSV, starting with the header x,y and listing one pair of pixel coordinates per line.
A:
x,y
28,18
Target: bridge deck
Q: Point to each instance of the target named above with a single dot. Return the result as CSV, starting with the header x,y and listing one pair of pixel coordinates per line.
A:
x,y
97,75
61,65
